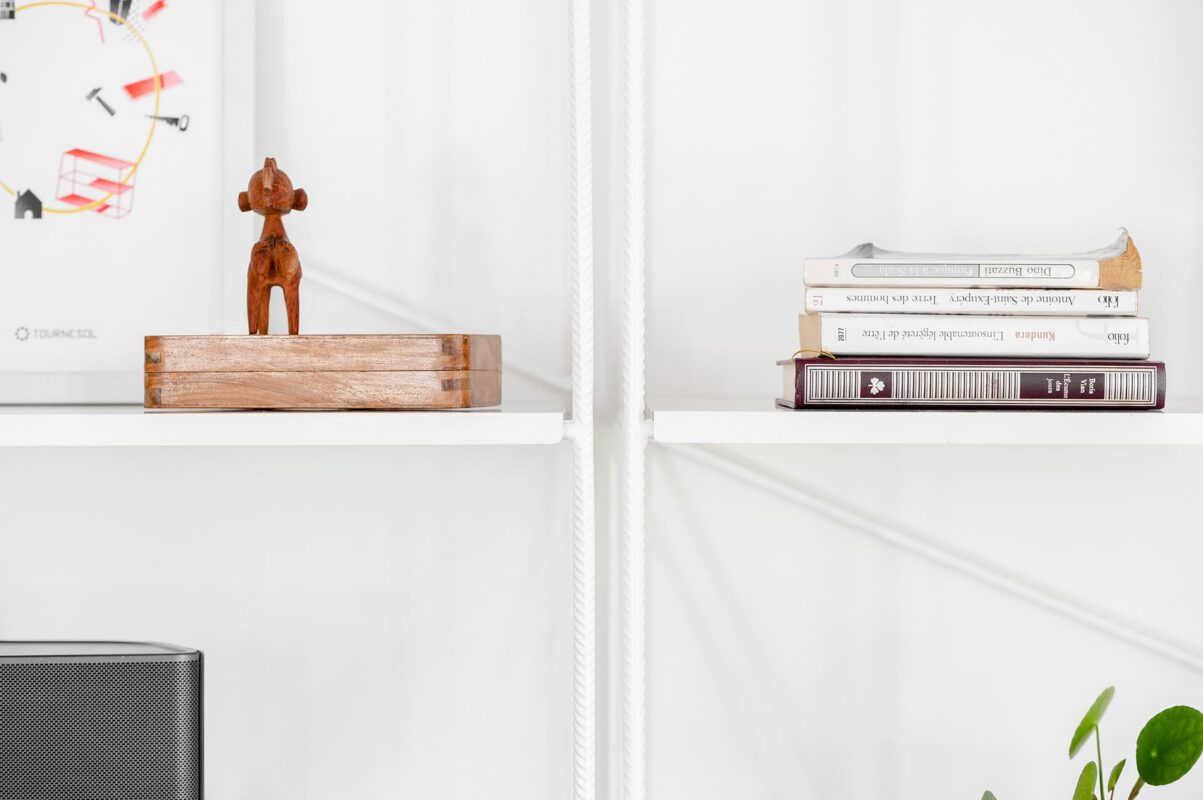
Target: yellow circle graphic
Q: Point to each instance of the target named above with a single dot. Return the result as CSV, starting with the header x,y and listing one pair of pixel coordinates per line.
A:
x,y
154,66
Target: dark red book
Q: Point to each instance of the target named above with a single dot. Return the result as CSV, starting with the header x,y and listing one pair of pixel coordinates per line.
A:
x,y
1044,383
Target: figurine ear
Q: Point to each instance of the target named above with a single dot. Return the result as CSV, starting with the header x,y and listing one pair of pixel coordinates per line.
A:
x,y
244,201
299,200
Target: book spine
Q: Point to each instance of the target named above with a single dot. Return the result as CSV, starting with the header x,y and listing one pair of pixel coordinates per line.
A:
x,y
1112,386
983,336
1066,274
1028,302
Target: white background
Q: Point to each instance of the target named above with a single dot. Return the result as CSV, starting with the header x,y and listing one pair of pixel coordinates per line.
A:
x,y
396,623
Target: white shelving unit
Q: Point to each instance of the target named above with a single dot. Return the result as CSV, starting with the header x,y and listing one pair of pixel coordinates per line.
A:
x,y
698,424
761,422
131,426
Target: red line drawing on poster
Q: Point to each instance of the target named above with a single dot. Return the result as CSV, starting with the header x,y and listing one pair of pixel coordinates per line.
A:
x,y
85,177
145,87
154,9
99,24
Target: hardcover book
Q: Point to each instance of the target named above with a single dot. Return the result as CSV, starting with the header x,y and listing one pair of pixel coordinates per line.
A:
x,y
982,336
972,383
931,300
1115,267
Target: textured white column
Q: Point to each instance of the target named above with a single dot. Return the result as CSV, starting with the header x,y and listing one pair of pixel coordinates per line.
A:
x,y
584,582
634,582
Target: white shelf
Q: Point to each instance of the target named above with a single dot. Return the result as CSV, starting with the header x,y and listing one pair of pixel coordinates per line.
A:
x,y
761,422
131,426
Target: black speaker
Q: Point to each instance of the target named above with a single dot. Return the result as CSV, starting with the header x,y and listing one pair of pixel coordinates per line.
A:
x,y
100,721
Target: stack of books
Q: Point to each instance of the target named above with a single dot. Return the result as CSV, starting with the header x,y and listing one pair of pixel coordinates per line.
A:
x,y
905,329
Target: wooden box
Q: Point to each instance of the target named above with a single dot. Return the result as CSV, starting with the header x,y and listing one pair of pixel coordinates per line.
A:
x,y
410,371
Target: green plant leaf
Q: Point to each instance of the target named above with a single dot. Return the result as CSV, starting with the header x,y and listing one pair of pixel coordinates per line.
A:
x,y
1115,773
1140,784
1085,789
1169,745
1090,721
989,796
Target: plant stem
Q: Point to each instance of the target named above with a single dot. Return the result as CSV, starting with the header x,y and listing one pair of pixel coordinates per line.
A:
x,y
1098,743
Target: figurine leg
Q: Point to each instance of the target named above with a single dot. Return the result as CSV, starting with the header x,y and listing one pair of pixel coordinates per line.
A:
x,y
258,289
265,303
292,301
253,290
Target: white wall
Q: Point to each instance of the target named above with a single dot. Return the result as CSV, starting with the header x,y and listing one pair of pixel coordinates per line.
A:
x,y
786,129
789,656
792,656
432,139
376,623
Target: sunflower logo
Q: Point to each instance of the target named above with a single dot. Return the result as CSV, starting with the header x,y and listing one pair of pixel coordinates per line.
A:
x,y
22,333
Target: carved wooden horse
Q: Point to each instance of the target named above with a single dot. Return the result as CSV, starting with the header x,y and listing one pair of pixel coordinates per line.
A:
x,y
274,260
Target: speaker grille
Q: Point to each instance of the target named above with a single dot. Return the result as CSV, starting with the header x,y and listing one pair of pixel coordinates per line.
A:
x,y
117,730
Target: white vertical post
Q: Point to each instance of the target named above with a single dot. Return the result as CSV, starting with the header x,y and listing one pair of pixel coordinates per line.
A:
x,y
634,586
584,581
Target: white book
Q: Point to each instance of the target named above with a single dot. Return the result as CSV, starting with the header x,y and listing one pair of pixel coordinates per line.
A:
x,y
1114,267
987,336
1027,302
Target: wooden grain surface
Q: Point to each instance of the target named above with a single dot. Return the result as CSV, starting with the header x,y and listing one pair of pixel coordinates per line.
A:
x,y
322,353
377,389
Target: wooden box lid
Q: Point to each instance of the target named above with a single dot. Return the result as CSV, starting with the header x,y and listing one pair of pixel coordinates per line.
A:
x,y
323,353
410,371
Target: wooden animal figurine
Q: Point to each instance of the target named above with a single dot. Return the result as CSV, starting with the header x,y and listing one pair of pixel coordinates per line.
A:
x,y
274,260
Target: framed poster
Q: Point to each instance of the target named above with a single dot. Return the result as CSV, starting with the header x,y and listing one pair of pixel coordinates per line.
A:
x,y
115,124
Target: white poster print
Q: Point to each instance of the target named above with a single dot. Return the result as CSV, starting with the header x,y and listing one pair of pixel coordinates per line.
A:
x,y
110,147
